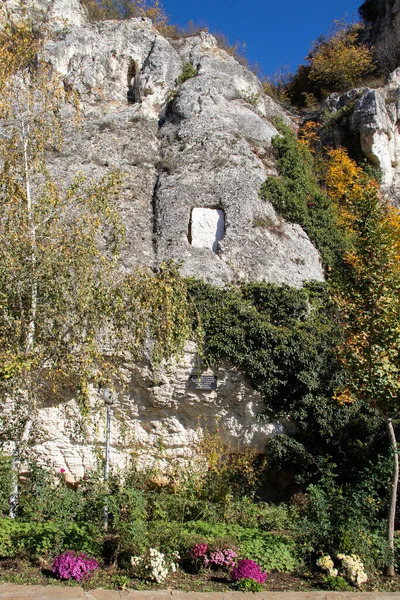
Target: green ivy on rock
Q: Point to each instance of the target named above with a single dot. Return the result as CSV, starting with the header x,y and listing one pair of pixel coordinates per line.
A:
x,y
296,195
284,340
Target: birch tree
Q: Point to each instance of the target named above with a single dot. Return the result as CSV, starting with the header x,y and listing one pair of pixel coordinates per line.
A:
x,y
69,316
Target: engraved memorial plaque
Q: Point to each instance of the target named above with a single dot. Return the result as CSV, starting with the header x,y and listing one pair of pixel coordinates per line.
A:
x,y
204,383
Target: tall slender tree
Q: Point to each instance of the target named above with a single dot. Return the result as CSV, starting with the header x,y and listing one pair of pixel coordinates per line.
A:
x,y
367,295
69,315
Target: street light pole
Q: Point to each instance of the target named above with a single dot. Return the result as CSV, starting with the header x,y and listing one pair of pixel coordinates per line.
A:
x,y
109,399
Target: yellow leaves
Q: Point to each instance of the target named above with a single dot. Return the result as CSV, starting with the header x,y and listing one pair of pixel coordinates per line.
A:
x,y
343,174
308,135
344,397
367,294
341,61
18,47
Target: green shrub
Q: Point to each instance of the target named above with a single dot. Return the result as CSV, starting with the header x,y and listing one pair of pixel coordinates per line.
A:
x,y
45,496
345,519
5,484
188,72
272,552
248,585
336,584
268,517
38,539
297,196
169,537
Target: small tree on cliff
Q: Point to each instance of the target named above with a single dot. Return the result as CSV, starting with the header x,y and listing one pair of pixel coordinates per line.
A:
x,y
340,62
68,314
367,294
100,10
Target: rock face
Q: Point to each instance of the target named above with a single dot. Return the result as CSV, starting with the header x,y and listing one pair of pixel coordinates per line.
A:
x,y
382,21
155,422
58,13
375,121
193,155
202,144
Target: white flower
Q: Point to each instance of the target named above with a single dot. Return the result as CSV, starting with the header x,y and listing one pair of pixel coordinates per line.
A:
x,y
353,568
154,565
326,564
135,561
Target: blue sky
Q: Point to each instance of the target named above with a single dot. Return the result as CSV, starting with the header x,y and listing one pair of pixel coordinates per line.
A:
x,y
276,32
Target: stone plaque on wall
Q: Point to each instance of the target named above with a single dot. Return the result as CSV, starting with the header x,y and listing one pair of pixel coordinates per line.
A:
x,y
204,383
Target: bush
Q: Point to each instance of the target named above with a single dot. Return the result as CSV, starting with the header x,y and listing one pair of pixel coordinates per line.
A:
x,y
44,496
248,585
188,72
268,517
100,10
70,565
38,539
5,484
272,552
341,61
297,196
248,569
344,519
336,583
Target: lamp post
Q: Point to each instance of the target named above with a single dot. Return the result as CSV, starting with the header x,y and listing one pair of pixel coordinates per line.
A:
x,y
109,398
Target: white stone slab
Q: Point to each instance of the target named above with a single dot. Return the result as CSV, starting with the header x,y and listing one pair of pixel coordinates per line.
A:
x,y
208,227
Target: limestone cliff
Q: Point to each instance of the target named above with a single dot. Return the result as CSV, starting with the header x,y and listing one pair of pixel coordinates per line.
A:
x,y
374,121
202,144
193,155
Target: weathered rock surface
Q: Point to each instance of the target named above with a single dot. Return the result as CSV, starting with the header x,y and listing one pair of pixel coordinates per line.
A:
x,y
382,30
156,421
58,13
204,144
375,120
206,148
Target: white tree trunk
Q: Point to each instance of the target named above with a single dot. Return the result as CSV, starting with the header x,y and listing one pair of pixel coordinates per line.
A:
x,y
393,494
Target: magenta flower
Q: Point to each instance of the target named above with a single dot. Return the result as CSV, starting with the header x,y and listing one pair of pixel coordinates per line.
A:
x,y
221,558
248,569
70,565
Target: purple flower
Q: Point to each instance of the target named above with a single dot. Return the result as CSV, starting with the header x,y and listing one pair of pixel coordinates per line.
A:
x,y
70,565
248,569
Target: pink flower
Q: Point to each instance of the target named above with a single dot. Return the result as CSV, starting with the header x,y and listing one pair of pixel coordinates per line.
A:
x,y
62,470
199,550
248,569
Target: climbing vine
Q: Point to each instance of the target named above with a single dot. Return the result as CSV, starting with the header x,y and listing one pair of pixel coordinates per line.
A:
x,y
284,340
297,195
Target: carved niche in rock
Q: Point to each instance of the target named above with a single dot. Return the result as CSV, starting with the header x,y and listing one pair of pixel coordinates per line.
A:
x,y
206,228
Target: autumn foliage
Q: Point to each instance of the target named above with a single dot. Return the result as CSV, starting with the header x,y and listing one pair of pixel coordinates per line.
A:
x,y
341,61
367,293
